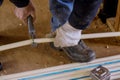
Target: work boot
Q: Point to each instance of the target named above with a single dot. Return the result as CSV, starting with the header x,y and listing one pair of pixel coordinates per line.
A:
x,y
78,53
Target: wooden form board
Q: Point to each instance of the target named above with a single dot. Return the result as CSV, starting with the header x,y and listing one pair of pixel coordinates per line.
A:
x,y
116,26
74,71
117,19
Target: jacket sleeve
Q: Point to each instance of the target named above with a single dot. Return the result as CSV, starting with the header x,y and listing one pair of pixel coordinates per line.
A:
x,y
1,2
20,3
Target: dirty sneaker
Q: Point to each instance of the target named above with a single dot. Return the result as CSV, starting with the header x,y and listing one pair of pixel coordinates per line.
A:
x,y
80,52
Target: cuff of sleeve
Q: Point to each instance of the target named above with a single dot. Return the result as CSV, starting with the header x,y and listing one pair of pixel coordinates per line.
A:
x,y
20,3
1,1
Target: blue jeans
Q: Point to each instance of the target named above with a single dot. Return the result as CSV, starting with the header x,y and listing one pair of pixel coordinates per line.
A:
x,y
61,10
79,13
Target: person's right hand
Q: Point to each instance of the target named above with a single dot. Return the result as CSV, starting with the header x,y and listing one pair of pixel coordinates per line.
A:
x,y
24,12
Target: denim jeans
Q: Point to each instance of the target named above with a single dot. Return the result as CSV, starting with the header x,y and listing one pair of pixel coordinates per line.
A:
x,y
61,10
79,13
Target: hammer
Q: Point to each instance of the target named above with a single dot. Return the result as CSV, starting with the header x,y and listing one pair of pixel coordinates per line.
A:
x,y
31,30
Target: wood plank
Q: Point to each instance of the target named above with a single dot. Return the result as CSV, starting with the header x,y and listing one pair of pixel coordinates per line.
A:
x,y
117,20
110,23
77,71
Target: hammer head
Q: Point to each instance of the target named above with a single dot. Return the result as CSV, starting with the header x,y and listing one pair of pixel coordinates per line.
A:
x,y
34,44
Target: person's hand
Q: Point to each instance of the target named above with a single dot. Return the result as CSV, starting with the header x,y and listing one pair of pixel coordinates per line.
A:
x,y
24,12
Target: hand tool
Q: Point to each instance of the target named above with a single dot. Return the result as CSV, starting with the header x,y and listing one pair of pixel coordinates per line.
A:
x,y
100,73
31,30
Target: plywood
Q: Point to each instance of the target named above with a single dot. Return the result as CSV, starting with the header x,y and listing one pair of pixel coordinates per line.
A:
x,y
75,71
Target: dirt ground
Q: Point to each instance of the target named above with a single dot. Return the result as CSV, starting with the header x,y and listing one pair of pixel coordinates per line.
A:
x,y
28,58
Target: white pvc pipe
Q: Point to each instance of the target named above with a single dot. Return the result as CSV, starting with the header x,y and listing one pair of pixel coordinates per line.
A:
x,y
44,40
100,35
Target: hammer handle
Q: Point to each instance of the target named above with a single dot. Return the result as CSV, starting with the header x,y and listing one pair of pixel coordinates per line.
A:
x,y
31,26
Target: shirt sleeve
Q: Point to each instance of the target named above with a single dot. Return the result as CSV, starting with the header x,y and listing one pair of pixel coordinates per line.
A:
x,y
20,3
1,2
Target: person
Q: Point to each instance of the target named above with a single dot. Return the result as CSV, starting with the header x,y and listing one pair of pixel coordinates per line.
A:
x,y
69,19
109,10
